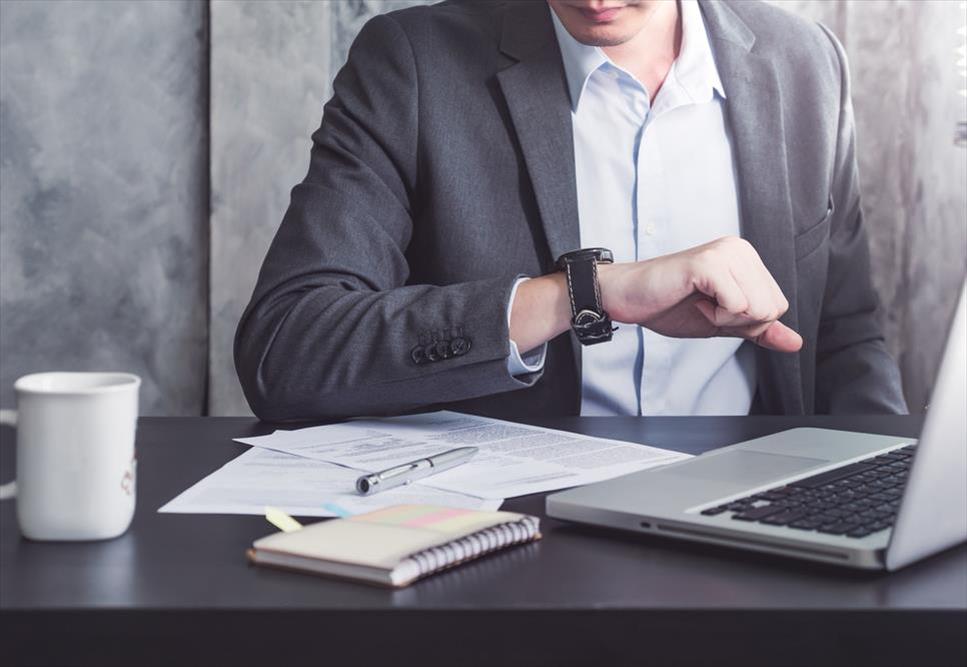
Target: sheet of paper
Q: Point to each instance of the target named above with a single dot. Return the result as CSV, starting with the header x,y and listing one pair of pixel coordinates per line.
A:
x,y
513,460
302,487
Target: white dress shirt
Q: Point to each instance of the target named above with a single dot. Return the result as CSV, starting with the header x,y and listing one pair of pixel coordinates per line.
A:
x,y
653,180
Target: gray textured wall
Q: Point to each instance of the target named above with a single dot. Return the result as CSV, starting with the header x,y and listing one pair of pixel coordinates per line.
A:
x,y
103,194
104,227
270,76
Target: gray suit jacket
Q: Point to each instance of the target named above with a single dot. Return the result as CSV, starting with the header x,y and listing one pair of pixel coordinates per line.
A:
x,y
444,168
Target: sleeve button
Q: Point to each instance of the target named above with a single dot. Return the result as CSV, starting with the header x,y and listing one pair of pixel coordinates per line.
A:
x,y
418,355
459,346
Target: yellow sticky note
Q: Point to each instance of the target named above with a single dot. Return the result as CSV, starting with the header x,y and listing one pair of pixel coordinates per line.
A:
x,y
281,520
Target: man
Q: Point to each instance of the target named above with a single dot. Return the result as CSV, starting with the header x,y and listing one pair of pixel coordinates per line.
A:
x,y
468,146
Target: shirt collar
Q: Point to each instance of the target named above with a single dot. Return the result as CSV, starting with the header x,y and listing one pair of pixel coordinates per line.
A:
x,y
694,69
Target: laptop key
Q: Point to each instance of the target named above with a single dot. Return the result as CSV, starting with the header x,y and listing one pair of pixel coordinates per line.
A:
x,y
830,476
739,505
757,513
712,511
783,518
820,507
840,528
805,524
860,531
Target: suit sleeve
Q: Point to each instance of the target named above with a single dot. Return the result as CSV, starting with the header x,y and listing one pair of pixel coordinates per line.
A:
x,y
333,329
855,373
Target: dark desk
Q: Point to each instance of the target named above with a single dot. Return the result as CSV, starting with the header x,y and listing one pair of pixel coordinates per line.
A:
x,y
177,589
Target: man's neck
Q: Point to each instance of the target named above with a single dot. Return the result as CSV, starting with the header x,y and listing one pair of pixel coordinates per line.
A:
x,y
649,55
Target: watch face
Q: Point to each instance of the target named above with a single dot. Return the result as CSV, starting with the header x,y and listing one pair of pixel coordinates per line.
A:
x,y
600,255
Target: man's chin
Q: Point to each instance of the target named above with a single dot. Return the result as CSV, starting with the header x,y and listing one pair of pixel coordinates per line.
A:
x,y
601,36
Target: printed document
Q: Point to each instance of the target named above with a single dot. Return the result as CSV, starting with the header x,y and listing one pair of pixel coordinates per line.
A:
x,y
513,460
303,487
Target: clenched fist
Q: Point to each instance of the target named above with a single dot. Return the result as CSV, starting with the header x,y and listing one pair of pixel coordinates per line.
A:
x,y
721,288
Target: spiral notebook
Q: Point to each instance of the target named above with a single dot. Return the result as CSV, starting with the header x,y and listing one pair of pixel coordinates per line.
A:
x,y
394,546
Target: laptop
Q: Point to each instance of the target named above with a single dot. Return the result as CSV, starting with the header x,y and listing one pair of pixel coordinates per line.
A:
x,y
852,499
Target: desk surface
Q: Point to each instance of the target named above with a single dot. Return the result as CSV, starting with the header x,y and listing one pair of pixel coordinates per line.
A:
x,y
176,588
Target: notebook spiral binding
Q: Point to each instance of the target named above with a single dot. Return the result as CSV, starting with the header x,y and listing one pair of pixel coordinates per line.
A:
x,y
435,559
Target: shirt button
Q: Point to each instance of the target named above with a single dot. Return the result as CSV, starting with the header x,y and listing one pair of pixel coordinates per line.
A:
x,y
649,230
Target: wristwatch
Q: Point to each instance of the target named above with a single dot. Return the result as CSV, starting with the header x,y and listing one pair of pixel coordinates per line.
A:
x,y
589,320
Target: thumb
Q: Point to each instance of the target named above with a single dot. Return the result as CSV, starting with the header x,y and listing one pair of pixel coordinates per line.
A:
x,y
779,337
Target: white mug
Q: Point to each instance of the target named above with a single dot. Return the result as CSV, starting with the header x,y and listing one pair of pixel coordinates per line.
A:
x,y
75,454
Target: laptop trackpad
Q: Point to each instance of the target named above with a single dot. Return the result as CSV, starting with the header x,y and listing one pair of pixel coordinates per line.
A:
x,y
745,467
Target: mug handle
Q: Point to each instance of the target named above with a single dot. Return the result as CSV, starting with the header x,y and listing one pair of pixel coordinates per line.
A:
x,y
8,490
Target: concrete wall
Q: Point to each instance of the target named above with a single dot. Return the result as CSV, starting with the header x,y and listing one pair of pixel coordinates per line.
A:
x,y
270,73
104,194
104,234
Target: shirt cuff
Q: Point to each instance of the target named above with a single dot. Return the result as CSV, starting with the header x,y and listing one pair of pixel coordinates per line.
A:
x,y
533,361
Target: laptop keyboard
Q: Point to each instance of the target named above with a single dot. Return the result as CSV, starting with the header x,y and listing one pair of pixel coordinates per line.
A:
x,y
854,500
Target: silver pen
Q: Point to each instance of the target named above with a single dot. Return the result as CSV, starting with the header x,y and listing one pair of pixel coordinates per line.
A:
x,y
414,470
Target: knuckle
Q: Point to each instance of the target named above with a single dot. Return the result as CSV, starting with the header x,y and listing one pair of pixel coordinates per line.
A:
x,y
761,315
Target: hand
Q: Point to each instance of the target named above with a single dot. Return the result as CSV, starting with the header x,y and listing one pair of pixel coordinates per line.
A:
x,y
721,288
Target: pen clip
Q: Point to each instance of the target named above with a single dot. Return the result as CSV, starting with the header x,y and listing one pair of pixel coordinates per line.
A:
x,y
398,470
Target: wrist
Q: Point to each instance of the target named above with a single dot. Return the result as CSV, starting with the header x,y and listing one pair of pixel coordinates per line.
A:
x,y
540,311
609,276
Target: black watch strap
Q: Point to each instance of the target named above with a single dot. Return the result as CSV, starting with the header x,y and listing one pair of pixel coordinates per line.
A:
x,y
589,320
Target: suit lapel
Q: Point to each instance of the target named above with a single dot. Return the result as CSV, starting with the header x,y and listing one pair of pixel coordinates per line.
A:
x,y
536,92
754,115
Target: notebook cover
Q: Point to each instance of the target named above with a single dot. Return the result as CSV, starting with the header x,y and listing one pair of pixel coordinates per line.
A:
x,y
383,538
